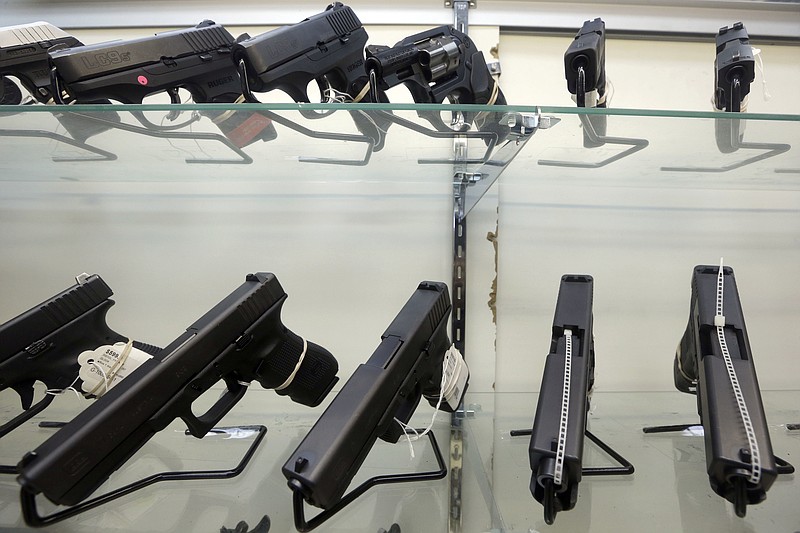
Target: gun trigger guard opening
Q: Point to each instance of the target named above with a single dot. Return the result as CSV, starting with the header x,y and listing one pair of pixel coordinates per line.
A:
x,y
200,425
325,90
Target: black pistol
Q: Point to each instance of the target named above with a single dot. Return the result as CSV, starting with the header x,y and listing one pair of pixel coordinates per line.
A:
x,y
23,55
197,59
714,361
326,48
556,446
734,68
239,340
438,64
43,343
734,71
405,366
585,70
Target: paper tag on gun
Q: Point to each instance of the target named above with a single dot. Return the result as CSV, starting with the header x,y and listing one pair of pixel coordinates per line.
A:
x,y
456,374
116,362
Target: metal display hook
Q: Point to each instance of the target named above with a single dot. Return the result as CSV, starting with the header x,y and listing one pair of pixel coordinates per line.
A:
x,y
327,136
170,134
730,139
102,155
490,138
593,139
304,525
34,519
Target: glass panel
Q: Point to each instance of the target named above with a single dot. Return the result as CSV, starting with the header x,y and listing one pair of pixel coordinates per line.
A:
x,y
669,490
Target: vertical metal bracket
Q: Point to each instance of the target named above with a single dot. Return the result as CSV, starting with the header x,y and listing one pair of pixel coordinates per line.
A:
x,y
461,9
461,180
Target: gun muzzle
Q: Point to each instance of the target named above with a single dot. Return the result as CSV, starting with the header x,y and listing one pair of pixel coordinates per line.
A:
x,y
588,52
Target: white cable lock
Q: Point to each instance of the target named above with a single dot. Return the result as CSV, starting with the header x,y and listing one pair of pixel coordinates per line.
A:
x,y
719,322
296,368
454,376
562,430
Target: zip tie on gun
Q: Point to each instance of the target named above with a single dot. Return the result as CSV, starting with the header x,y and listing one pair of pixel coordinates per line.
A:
x,y
562,430
296,368
70,387
719,322
364,91
492,99
760,64
229,113
444,385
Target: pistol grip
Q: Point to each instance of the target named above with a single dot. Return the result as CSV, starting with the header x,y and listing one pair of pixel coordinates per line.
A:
x,y
200,425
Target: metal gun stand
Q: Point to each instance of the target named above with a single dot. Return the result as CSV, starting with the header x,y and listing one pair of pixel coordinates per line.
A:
x,y
300,522
34,519
102,155
593,138
733,144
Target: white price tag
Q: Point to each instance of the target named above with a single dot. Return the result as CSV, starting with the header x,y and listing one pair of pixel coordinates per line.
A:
x,y
107,365
456,374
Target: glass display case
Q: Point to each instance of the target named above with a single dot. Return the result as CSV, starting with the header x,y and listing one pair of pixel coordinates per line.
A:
x,y
351,206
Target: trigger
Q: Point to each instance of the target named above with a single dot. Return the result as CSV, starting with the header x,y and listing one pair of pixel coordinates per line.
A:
x,y
25,392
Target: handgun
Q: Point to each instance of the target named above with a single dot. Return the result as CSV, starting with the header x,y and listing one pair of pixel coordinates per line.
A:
x,y
406,365
585,70
43,343
734,67
714,361
734,71
327,48
197,59
556,446
23,55
239,340
438,64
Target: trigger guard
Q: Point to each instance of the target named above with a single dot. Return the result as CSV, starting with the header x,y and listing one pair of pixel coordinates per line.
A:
x,y
439,125
314,115
199,426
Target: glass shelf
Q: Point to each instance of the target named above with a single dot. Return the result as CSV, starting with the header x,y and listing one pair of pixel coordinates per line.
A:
x,y
349,243
205,506
669,490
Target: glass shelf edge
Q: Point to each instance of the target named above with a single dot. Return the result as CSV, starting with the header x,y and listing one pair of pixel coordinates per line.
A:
x,y
666,113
